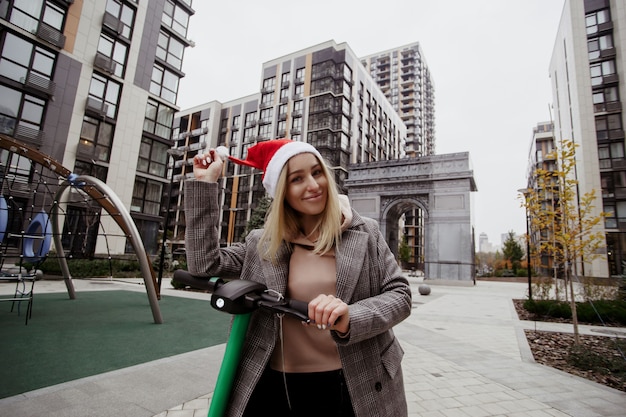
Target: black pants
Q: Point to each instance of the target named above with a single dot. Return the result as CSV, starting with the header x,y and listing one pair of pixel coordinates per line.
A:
x,y
310,394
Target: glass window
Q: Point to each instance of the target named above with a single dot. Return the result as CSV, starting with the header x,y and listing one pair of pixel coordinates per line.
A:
x,y
269,84
593,20
152,157
106,92
298,106
267,99
176,18
116,51
164,83
89,168
617,150
159,118
18,108
27,14
20,57
147,196
96,139
266,115
124,13
170,50
300,72
265,131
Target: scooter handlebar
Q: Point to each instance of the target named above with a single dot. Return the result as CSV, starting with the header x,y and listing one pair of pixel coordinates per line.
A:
x,y
241,296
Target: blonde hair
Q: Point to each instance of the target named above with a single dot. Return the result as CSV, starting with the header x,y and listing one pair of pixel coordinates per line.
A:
x,y
282,222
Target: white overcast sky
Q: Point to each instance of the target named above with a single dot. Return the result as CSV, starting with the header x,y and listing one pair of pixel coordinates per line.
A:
x,y
489,60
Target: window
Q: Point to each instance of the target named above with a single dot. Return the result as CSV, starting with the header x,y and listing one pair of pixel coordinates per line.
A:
x,y
146,196
282,111
266,116
116,51
106,93
28,14
18,108
298,108
298,91
610,219
234,137
265,131
89,168
164,83
281,128
284,78
176,18
236,121
20,58
268,84
96,139
347,72
152,157
170,50
267,99
596,45
300,73
606,95
296,126
250,119
601,70
593,20
125,16
159,118
607,126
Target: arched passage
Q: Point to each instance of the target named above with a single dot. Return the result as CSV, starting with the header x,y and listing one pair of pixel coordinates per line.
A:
x,y
440,186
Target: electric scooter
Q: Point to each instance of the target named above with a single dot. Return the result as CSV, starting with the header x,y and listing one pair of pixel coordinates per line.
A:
x,y
240,298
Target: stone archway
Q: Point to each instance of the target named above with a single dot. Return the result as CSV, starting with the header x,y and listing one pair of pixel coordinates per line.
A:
x,y
441,186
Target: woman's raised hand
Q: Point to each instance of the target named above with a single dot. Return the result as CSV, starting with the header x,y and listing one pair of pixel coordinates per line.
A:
x,y
208,166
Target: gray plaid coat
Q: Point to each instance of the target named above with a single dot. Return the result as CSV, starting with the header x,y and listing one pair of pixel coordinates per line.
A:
x,y
368,280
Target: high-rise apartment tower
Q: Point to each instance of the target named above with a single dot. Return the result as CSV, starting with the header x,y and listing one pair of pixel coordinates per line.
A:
x,y
589,88
93,83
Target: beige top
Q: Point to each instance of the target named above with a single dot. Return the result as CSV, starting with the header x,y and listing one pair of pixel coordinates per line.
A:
x,y
306,348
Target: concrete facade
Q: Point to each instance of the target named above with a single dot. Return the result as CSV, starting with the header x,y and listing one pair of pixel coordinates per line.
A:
x,y
439,185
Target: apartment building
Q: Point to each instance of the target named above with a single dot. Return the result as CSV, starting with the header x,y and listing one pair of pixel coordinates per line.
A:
x,y
93,84
322,95
588,78
542,156
404,77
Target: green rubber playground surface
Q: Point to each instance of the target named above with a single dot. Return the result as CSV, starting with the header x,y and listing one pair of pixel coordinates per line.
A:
x,y
99,331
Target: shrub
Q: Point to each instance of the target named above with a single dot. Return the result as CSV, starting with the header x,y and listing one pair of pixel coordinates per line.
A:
x,y
93,267
601,311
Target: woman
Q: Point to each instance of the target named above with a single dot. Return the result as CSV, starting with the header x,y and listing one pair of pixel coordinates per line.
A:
x,y
313,248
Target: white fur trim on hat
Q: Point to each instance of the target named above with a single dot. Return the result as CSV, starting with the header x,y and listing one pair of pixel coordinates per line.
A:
x,y
280,158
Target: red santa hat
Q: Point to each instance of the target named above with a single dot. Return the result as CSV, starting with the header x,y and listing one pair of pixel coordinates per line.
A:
x,y
271,156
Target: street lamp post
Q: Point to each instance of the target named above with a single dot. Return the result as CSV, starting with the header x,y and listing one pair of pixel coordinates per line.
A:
x,y
526,192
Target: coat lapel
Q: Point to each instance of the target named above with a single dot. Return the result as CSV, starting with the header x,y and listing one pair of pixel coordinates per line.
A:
x,y
349,256
276,274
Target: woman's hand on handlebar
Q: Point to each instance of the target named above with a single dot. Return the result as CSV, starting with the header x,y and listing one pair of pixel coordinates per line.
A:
x,y
329,312
208,166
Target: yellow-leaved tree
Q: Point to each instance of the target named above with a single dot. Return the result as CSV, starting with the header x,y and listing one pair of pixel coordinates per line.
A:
x,y
567,225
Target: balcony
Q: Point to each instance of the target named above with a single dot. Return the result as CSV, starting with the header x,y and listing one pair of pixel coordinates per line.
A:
x,y
50,35
96,106
35,82
105,63
28,134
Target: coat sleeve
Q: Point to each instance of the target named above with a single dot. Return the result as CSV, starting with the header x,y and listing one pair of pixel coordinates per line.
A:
x,y
204,254
384,295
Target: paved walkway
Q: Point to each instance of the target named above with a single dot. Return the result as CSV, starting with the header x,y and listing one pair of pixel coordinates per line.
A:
x,y
465,355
